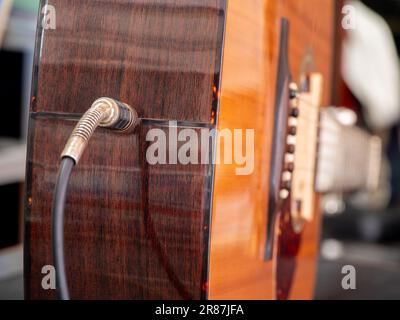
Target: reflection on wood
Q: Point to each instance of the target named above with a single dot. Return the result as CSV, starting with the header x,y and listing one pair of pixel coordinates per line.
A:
x,y
139,231
237,266
133,231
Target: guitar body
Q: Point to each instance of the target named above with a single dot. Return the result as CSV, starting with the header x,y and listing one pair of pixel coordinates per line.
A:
x,y
198,231
238,237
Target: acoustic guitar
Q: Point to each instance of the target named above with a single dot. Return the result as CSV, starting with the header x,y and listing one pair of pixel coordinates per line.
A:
x,y
135,229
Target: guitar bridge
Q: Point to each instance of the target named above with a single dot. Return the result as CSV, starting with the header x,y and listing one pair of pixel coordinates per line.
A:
x,y
303,199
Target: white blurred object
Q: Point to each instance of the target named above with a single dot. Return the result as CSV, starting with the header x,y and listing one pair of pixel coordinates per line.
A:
x,y
12,162
21,29
5,9
332,249
11,262
333,204
371,68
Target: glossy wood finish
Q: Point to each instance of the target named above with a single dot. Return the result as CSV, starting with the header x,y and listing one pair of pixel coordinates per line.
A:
x,y
138,231
132,231
237,267
160,55
279,137
286,253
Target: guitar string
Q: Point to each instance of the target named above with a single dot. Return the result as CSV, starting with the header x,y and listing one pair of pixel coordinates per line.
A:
x,y
322,128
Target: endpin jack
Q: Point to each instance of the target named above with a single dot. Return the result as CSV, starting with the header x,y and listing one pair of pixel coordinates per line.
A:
x,y
104,112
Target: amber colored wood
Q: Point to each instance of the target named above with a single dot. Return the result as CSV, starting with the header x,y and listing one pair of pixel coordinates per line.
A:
x,y
237,267
135,231
132,231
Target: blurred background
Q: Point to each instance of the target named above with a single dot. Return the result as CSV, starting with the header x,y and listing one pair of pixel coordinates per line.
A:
x,y
360,229
17,39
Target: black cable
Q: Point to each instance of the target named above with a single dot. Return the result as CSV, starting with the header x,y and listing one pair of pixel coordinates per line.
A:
x,y
105,112
60,194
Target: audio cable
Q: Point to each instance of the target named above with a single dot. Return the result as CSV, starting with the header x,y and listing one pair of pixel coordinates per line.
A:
x,y
107,113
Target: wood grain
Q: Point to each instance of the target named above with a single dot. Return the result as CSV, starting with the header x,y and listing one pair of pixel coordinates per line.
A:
x,y
237,267
132,231
135,231
161,56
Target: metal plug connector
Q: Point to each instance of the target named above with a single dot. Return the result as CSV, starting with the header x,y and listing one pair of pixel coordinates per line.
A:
x,y
104,112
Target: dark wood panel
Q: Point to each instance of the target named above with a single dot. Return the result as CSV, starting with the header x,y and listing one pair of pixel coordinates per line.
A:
x,y
160,56
133,231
